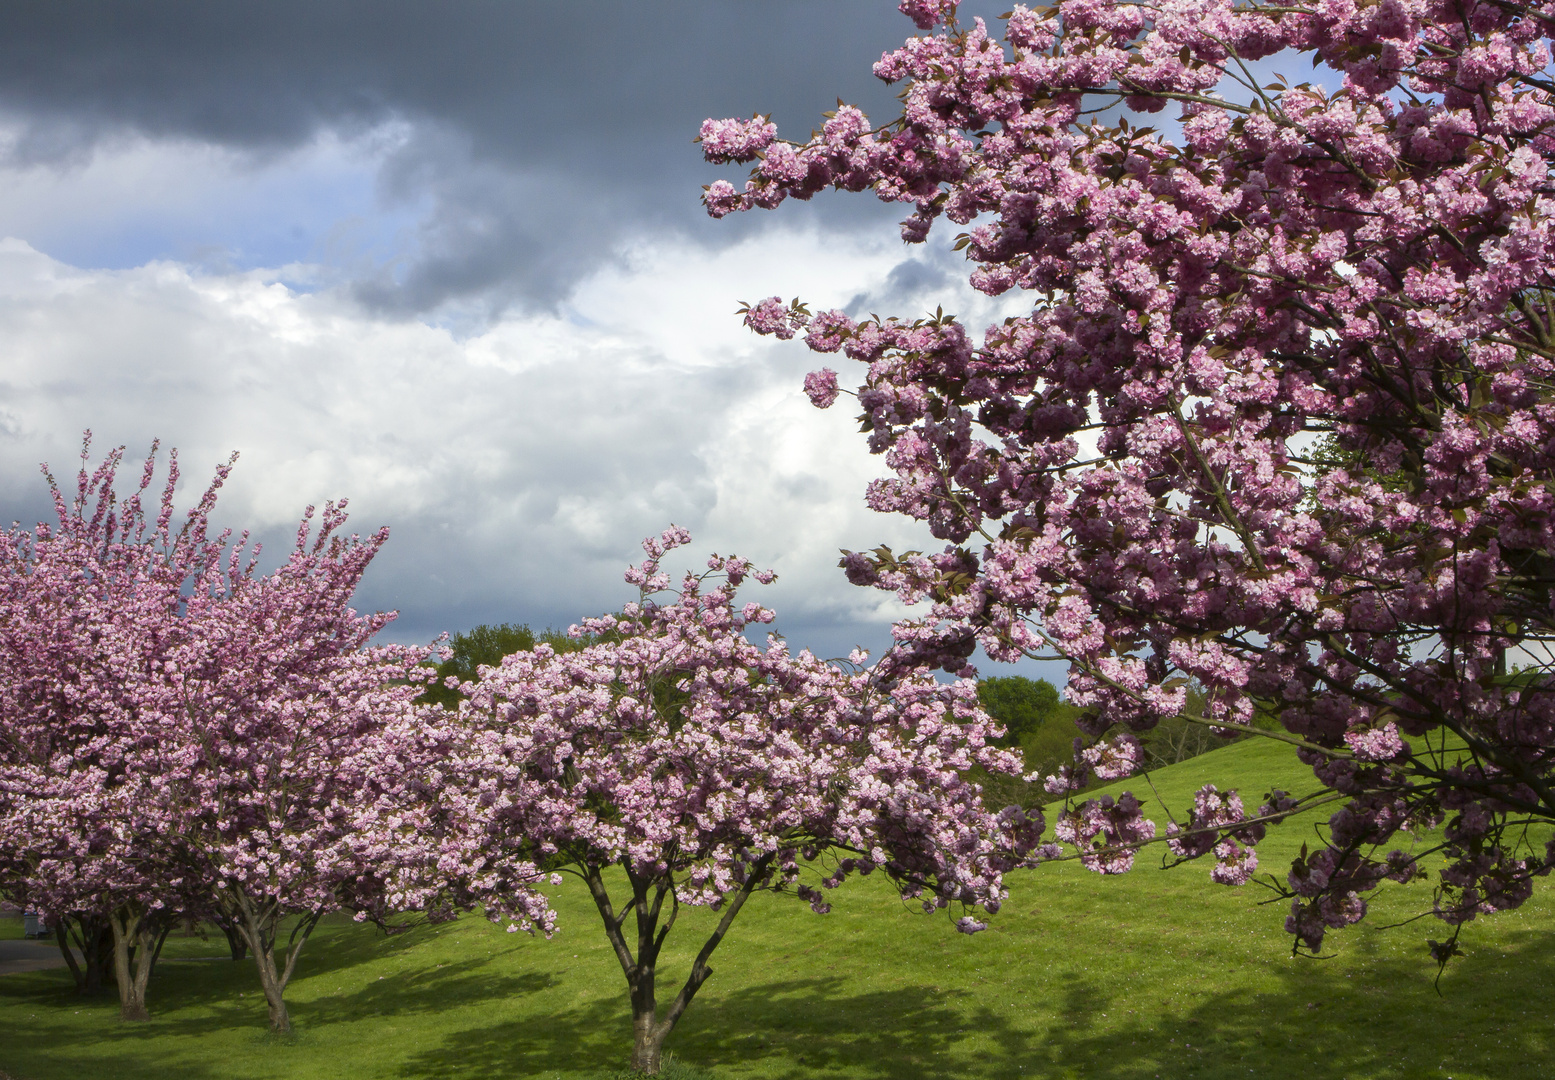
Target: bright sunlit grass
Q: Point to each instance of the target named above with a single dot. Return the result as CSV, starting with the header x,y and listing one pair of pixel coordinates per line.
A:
x,y
1155,974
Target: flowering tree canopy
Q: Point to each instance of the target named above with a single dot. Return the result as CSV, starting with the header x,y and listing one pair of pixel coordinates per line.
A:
x,y
179,732
308,782
676,758
89,608
1278,420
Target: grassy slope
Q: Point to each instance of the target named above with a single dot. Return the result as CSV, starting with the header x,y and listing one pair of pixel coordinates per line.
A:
x,y
1149,975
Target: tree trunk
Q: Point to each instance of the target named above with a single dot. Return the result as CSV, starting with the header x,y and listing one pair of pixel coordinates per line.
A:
x,y
91,937
63,937
156,953
260,924
235,942
275,990
648,1030
133,954
100,958
647,1043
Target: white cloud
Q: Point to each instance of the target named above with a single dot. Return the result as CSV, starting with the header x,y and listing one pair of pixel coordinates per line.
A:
x,y
519,467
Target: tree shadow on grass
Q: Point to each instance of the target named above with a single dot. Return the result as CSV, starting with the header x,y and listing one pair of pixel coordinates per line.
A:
x,y
1308,1019
431,988
802,1027
1374,1018
206,999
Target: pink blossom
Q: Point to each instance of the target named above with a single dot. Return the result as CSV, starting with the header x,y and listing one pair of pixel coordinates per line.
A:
x,y
1375,744
821,387
722,199
928,13
1115,759
771,317
736,140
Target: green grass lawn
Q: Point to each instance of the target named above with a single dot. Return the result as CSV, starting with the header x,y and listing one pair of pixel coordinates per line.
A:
x,y
1150,975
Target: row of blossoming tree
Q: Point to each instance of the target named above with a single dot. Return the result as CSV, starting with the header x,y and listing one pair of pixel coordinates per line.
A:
x,y
1278,419
183,736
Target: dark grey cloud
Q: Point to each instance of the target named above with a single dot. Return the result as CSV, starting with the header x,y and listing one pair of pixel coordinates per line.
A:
x,y
540,134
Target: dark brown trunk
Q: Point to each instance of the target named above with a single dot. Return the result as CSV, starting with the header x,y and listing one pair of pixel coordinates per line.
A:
x,y
90,936
235,942
156,952
100,964
63,937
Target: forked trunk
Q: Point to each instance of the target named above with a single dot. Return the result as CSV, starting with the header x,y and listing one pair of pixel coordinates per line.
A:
x,y
275,990
649,1029
260,923
134,951
63,937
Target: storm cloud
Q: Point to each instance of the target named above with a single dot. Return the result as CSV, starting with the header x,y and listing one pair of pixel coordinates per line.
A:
x,y
523,140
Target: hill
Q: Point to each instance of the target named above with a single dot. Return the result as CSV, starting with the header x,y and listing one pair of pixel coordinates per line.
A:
x,y
1154,974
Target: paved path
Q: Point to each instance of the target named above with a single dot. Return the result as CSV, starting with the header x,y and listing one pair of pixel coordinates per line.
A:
x,y
19,955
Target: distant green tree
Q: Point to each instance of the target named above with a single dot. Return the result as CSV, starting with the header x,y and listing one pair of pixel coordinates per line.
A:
x,y
1036,721
1022,705
487,645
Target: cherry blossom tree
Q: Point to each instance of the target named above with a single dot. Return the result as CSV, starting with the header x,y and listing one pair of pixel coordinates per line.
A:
x,y
309,776
673,762
89,607
1274,415
179,732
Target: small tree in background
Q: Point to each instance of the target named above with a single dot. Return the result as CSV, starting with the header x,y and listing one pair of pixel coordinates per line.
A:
x,y
677,761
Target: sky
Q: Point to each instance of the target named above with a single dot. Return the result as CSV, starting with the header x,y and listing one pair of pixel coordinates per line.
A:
x,y
448,261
